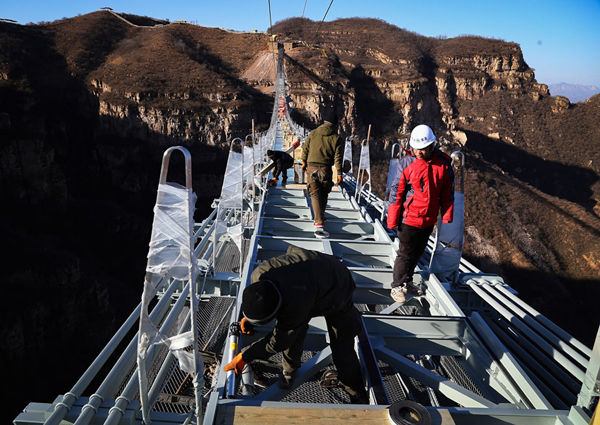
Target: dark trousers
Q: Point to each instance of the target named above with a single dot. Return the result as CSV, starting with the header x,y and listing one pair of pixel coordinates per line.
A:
x,y
319,182
284,173
413,242
292,357
342,328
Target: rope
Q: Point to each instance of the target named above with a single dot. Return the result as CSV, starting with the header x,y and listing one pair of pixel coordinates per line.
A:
x,y
270,20
317,33
272,40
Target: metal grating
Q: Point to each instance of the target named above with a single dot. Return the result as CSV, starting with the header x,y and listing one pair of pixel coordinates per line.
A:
x,y
213,317
400,386
451,369
229,259
213,322
310,391
158,358
313,392
394,387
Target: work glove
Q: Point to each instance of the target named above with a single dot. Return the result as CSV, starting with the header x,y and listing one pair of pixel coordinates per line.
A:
x,y
237,365
246,327
304,166
340,179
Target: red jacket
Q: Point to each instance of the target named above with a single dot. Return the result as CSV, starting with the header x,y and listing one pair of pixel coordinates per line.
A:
x,y
432,183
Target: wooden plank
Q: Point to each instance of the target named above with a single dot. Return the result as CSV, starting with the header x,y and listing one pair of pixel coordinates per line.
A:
x,y
256,415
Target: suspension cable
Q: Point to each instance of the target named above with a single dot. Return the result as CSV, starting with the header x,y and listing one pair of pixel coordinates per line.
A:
x,y
272,40
270,20
304,10
317,33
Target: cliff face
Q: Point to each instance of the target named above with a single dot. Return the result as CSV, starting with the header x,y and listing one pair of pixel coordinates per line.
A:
x,y
394,79
87,108
88,105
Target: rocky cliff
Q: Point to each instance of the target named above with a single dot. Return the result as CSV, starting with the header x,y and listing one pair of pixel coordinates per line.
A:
x,y
89,104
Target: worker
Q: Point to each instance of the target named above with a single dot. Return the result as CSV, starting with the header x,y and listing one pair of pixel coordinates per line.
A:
x,y
283,161
322,149
292,289
422,188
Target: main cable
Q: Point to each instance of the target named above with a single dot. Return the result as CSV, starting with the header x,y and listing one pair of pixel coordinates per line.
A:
x,y
317,33
272,41
303,10
270,20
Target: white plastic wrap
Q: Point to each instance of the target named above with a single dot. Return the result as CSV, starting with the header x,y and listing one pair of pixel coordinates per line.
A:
x,y
365,163
220,229
169,253
348,155
236,233
248,164
364,171
391,175
231,191
446,258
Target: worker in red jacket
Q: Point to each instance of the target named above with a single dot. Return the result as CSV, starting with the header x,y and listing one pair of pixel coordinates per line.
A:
x,y
423,187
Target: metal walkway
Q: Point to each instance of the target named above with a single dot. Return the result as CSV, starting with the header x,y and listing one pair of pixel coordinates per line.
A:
x,y
468,350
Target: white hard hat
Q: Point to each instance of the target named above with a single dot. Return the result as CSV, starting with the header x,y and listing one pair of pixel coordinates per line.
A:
x,y
421,137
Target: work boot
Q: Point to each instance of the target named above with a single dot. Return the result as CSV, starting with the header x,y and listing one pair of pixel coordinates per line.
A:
x,y
412,288
398,294
360,398
286,380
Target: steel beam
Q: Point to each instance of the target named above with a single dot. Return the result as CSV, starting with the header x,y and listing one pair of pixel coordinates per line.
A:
x,y
451,390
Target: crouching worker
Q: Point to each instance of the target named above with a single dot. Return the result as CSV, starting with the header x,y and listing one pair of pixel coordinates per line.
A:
x,y
293,288
283,161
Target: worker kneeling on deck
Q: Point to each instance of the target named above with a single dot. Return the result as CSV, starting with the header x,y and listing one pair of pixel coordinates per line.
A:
x,y
293,288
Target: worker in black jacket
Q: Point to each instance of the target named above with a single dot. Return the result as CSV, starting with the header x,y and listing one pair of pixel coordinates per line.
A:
x,y
293,288
283,161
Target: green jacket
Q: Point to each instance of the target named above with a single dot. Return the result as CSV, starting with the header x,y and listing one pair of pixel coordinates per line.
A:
x,y
311,284
323,146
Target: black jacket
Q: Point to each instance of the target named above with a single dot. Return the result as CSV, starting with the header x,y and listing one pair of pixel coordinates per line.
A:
x,y
311,284
282,161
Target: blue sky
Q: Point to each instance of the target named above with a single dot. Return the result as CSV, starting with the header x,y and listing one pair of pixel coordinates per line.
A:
x,y
560,39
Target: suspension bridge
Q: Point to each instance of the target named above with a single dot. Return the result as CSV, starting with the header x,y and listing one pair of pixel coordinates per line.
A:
x,y
467,351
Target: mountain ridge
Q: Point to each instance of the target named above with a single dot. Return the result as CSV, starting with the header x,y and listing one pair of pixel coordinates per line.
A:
x,y
574,92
